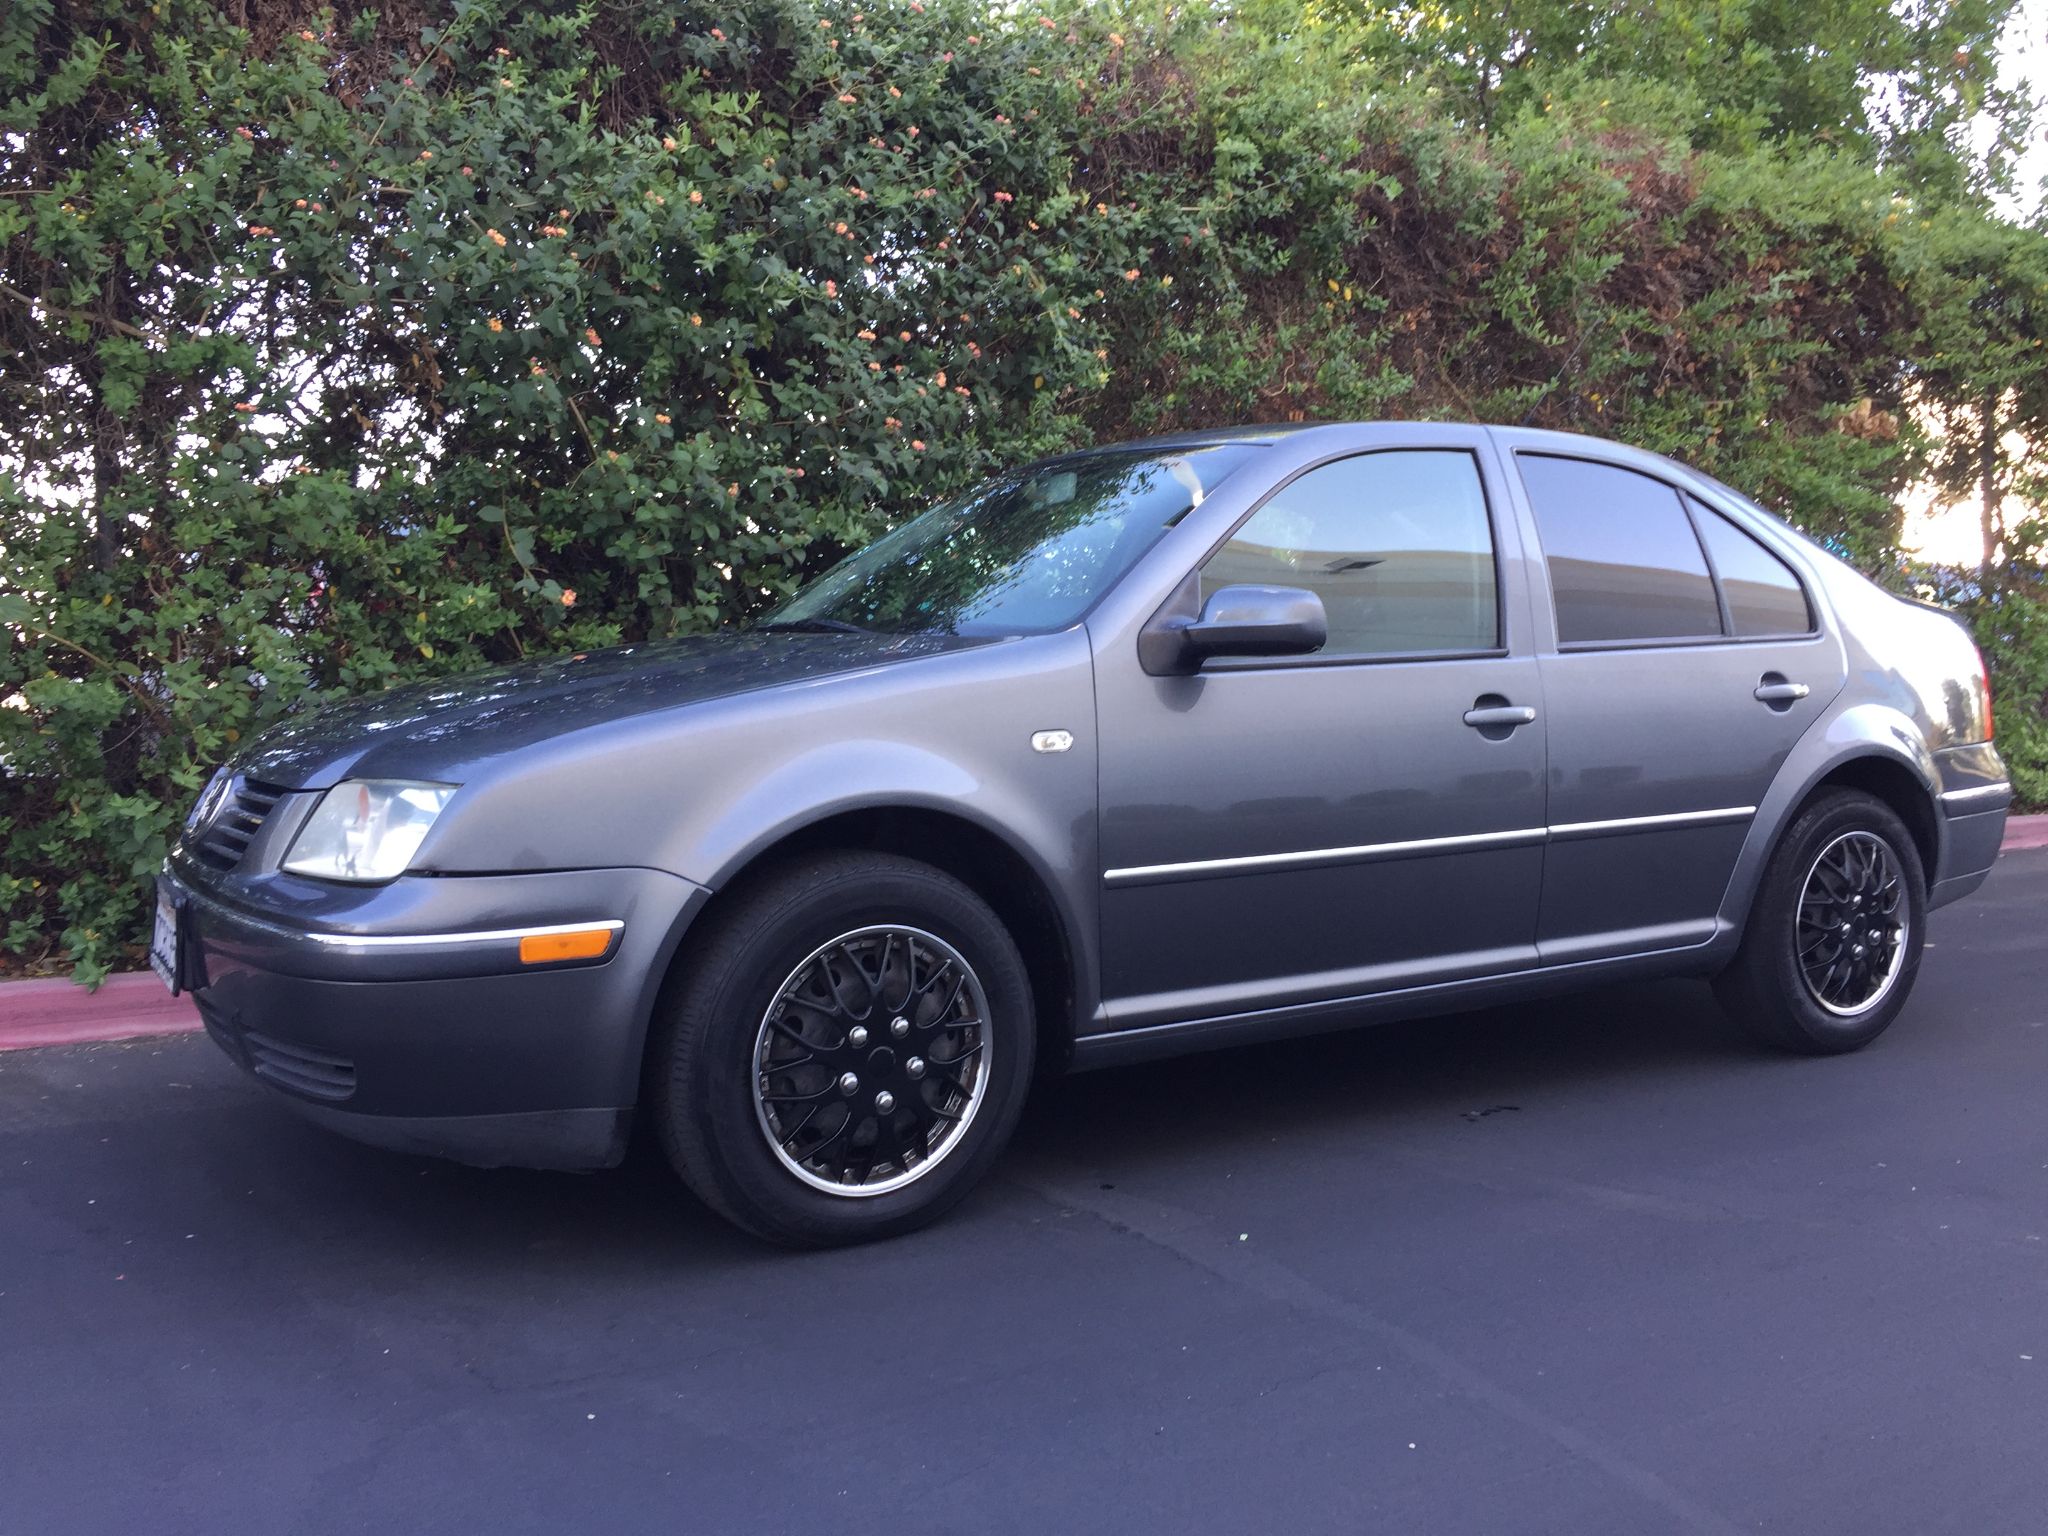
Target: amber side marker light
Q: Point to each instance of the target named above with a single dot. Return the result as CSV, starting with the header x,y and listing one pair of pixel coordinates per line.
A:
x,y
583,944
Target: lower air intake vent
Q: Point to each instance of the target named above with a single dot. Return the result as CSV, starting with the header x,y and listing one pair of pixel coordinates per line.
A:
x,y
313,1074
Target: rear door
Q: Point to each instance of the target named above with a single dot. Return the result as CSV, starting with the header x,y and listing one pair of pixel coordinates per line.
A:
x,y
1684,663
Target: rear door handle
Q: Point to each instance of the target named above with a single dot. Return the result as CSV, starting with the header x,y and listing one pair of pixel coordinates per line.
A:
x,y
1781,692
1498,715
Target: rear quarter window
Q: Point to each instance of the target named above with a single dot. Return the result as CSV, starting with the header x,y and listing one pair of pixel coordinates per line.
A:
x,y
1764,597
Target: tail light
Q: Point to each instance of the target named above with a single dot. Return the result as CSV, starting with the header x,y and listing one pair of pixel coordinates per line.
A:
x,y
1984,695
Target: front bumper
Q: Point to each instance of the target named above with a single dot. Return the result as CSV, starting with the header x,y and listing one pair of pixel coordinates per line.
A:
x,y
403,1016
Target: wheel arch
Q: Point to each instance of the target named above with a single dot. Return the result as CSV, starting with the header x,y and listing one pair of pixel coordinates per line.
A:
x,y
1016,886
1856,755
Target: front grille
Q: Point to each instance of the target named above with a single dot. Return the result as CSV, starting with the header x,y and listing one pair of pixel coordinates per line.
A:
x,y
221,843
313,1074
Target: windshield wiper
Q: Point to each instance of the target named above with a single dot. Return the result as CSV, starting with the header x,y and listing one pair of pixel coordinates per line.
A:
x,y
815,626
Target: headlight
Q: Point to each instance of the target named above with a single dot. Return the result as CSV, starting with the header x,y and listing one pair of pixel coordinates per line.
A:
x,y
366,829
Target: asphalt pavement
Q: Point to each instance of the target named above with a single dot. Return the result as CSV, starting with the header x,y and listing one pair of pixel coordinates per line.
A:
x,y
1588,1267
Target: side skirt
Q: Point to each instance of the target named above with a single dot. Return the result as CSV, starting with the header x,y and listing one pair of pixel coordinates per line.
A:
x,y
1115,1048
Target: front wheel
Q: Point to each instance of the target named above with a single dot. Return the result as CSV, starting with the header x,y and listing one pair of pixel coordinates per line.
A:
x,y
1834,938
847,1051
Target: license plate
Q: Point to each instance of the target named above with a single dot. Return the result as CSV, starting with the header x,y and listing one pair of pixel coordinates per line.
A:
x,y
163,943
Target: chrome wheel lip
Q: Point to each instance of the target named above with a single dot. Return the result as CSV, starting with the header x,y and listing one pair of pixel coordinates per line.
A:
x,y
954,1135
1888,870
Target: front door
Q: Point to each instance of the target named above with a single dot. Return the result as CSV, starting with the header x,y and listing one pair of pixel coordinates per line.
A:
x,y
1286,831
1687,665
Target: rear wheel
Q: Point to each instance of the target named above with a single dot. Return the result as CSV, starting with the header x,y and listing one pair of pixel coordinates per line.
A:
x,y
1834,938
846,1053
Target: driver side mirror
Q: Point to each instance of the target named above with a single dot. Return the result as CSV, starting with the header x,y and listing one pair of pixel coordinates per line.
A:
x,y
1237,621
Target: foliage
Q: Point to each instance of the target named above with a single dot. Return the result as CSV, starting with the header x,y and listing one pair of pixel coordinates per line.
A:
x,y
343,347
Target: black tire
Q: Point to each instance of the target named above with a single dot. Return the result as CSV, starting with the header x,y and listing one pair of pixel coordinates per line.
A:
x,y
707,1097
1767,988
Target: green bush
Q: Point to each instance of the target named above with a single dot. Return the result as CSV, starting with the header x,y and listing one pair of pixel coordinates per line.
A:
x,y
345,348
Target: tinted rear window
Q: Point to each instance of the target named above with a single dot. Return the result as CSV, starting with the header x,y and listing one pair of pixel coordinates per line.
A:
x,y
1764,597
1624,561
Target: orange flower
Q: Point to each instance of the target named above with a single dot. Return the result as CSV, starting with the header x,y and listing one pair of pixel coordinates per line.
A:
x,y
847,98
306,37
667,142
831,289
494,237
733,489
939,378
244,405
696,319
1005,197
917,443
568,597
865,335
662,417
298,202
903,335
590,334
426,154
495,324
696,197
1131,276
715,32
261,229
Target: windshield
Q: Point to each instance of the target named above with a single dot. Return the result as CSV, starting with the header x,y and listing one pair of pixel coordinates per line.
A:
x,y
1026,553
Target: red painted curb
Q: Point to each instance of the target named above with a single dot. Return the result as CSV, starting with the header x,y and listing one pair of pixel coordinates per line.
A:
x,y
2025,832
57,1011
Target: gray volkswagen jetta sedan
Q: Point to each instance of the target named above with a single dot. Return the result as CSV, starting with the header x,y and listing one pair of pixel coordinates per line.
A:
x,y
1151,748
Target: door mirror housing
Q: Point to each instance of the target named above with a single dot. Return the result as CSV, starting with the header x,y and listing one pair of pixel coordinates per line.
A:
x,y
1238,621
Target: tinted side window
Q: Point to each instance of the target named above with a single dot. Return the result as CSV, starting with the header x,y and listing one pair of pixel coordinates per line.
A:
x,y
1624,561
1764,597
1397,545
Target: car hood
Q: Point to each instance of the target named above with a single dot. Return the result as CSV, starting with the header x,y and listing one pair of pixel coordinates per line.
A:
x,y
448,728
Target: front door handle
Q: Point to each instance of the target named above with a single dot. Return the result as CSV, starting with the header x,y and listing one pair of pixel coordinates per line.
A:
x,y
1781,692
1494,716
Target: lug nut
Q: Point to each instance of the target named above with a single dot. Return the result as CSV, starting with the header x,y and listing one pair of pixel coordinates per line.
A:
x,y
899,1026
857,1036
849,1085
914,1068
884,1102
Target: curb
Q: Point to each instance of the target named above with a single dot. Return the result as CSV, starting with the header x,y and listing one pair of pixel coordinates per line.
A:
x,y
54,1011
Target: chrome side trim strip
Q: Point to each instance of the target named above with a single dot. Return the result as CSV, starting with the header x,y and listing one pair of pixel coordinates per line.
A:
x,y
2002,793
1140,874
440,940
1572,829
